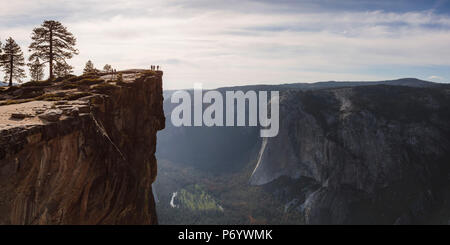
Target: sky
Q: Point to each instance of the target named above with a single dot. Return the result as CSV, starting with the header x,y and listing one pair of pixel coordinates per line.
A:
x,y
238,42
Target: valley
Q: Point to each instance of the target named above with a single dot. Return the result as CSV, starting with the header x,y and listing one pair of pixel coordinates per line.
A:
x,y
346,153
206,198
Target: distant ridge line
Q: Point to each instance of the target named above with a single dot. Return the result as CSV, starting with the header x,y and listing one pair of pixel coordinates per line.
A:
x,y
408,82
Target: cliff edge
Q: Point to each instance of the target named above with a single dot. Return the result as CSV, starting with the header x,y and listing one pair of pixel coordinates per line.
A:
x,y
80,150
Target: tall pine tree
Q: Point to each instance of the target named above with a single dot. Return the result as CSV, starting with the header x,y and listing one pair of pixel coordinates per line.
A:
x,y
52,42
12,61
36,70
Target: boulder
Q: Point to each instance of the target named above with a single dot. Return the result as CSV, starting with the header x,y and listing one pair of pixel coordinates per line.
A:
x,y
51,115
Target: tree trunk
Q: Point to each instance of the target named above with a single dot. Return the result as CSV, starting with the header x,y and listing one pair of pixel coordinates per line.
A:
x,y
11,69
51,54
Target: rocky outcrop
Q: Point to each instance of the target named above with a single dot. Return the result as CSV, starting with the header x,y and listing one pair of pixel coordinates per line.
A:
x,y
379,154
85,154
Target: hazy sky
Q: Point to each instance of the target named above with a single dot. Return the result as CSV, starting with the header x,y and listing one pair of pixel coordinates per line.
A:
x,y
236,42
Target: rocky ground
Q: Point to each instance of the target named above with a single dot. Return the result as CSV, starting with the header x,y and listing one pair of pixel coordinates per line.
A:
x,y
36,103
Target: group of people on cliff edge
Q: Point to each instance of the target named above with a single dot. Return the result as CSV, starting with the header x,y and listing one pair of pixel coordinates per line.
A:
x,y
154,68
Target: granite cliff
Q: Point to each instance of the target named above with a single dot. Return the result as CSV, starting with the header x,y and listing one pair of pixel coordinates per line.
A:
x,y
80,150
376,154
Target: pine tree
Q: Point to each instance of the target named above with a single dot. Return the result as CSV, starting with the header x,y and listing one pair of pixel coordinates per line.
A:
x,y
52,42
89,67
62,69
36,70
1,51
107,68
12,61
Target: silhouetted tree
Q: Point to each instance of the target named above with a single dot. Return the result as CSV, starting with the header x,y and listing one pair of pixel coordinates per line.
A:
x,y
89,67
12,61
107,68
1,51
62,69
36,70
52,42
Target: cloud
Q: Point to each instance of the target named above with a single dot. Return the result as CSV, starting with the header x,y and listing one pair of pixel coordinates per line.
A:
x,y
222,43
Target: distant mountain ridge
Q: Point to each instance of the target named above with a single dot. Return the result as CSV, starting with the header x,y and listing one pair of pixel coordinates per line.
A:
x,y
409,82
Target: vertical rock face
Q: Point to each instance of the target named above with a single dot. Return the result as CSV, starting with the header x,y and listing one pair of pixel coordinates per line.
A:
x,y
379,154
94,166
